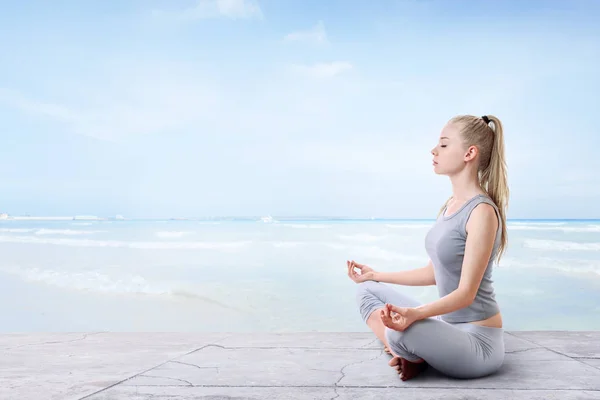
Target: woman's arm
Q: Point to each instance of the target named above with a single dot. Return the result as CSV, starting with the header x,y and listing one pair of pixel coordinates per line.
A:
x,y
481,227
415,277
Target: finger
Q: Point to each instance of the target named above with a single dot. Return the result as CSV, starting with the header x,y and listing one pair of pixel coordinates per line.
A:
x,y
399,310
389,308
385,317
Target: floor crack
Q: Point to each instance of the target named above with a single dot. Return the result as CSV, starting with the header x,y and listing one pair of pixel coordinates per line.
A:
x,y
552,350
194,365
166,377
156,366
522,350
336,384
370,343
85,335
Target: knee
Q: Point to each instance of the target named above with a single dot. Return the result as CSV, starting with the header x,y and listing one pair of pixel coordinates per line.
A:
x,y
367,299
365,289
395,339
402,343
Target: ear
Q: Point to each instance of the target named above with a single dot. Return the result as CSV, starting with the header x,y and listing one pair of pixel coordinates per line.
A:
x,y
471,153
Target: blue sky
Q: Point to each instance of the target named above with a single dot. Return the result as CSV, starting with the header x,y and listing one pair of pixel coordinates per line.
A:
x,y
296,107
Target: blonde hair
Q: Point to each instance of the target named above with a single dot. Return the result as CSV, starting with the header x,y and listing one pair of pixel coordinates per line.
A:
x,y
488,136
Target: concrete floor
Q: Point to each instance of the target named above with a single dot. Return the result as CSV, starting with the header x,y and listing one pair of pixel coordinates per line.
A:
x,y
118,366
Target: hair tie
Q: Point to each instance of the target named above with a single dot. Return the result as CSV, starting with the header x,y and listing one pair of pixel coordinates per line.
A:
x,y
486,119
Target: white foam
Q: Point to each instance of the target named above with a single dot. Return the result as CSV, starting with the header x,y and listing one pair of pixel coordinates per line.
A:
x,y
305,226
558,245
409,226
15,230
287,245
172,234
223,246
336,246
362,237
378,252
540,223
551,227
87,280
103,283
70,232
569,266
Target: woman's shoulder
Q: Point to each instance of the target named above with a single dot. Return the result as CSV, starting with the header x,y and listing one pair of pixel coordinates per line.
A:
x,y
484,216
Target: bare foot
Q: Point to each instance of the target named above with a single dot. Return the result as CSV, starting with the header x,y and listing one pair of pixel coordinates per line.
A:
x,y
407,369
396,364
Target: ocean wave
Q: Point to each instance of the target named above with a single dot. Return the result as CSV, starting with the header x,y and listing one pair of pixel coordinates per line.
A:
x,y
304,226
558,245
16,230
103,283
49,231
69,232
408,226
363,237
550,227
172,234
287,245
568,266
383,254
540,223
336,246
224,246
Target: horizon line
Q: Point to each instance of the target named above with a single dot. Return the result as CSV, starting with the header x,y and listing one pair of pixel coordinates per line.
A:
x,y
90,217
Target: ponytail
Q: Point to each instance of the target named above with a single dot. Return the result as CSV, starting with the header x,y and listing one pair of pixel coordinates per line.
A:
x,y
494,179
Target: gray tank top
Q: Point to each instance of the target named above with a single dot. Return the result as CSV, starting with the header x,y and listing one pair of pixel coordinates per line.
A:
x,y
445,244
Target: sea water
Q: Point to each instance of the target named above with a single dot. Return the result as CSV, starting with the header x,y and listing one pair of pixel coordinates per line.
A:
x,y
258,275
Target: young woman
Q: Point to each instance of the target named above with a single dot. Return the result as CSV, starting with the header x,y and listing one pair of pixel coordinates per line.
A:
x,y
461,333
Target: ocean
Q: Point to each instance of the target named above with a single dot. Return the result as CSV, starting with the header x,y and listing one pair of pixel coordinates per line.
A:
x,y
253,275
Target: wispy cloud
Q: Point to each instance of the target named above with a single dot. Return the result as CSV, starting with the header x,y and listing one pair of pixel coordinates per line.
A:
x,y
322,70
133,101
54,111
315,34
206,9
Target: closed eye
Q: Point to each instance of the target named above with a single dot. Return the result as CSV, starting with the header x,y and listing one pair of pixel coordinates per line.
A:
x,y
443,145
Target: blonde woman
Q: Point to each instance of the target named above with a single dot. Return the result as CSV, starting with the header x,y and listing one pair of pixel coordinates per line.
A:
x,y
460,334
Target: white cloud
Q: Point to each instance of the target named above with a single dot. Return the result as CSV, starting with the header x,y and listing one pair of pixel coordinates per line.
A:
x,y
205,9
54,111
131,101
322,70
316,34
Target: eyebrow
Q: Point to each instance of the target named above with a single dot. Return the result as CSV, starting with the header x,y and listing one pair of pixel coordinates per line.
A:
x,y
444,137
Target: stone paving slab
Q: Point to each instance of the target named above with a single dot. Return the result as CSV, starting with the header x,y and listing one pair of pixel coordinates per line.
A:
x,y
69,366
102,366
572,344
311,393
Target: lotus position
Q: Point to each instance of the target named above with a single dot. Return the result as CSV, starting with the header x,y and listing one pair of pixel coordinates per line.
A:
x,y
460,334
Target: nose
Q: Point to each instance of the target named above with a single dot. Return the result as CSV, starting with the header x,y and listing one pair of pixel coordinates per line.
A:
x,y
433,151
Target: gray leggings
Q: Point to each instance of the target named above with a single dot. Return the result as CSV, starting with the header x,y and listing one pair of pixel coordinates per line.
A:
x,y
459,350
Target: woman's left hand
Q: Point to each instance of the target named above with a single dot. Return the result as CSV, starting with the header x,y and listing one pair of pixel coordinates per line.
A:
x,y
398,318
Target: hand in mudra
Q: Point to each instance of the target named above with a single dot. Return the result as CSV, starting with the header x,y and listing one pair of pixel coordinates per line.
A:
x,y
398,318
365,273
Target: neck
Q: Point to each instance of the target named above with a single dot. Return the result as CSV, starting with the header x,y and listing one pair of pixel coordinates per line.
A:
x,y
465,185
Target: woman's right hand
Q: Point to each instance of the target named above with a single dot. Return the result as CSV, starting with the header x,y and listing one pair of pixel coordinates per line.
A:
x,y
366,273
